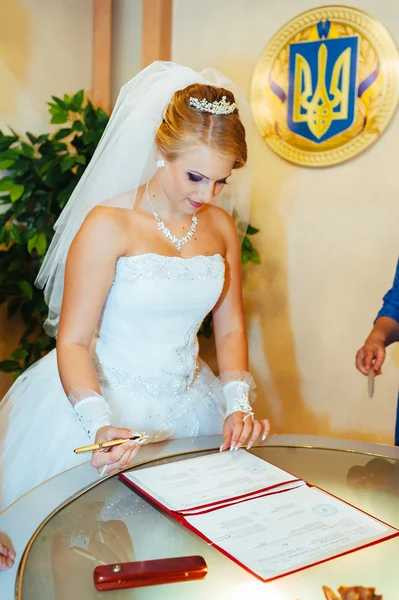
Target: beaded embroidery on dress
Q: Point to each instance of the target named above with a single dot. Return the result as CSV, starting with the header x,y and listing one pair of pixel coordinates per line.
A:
x,y
146,358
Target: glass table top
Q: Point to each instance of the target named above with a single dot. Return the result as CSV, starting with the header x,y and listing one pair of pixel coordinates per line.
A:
x,y
110,523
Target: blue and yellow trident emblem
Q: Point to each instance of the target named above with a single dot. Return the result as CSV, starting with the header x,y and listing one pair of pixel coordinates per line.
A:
x,y
326,86
322,87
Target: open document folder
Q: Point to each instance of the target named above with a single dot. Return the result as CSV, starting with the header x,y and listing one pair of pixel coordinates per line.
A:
x,y
265,519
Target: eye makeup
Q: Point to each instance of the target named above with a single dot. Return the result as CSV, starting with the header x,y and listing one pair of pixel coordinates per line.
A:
x,y
198,178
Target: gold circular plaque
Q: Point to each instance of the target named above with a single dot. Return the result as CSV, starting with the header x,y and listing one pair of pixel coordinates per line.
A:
x,y
326,86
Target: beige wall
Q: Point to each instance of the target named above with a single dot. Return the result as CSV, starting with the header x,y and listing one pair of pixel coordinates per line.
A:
x,y
45,50
126,42
329,242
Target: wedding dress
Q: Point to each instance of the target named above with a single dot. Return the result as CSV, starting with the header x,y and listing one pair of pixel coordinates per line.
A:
x,y
146,357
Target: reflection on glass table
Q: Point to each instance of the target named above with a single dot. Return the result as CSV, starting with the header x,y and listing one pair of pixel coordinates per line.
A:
x,y
110,523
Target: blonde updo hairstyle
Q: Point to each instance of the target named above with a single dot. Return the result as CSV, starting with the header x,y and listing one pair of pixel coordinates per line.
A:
x,y
185,127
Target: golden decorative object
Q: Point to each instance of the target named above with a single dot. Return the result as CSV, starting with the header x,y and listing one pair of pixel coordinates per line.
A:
x,y
326,86
351,593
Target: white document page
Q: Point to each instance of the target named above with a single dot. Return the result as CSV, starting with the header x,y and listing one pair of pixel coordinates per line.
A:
x,y
281,488
279,533
207,479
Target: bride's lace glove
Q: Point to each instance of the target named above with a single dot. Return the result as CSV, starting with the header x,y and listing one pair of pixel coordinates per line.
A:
x,y
240,427
94,415
91,409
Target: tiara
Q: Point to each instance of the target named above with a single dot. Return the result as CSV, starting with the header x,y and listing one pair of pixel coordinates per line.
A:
x,y
215,108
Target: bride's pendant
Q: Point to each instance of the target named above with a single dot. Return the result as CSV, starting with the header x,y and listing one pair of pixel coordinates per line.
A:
x,y
179,243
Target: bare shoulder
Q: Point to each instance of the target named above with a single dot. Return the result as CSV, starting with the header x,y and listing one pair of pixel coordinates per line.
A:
x,y
105,227
107,218
222,221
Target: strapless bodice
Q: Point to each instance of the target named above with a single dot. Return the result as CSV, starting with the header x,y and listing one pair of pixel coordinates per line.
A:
x,y
149,325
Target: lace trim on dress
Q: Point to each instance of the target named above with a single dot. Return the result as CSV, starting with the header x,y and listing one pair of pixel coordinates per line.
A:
x,y
119,379
176,268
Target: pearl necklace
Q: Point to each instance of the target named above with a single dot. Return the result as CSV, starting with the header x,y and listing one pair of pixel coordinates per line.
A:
x,y
179,243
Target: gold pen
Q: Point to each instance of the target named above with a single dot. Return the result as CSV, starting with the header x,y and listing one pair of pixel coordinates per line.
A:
x,y
110,444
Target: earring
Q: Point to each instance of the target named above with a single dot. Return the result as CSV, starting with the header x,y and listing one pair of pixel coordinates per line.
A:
x,y
160,164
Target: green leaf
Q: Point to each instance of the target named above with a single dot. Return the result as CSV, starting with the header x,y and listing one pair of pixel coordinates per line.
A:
x,y
8,366
248,252
60,117
60,147
64,195
60,103
31,137
38,242
77,99
78,126
89,115
102,117
62,133
11,153
6,164
46,149
32,244
27,150
251,230
246,244
19,354
54,108
7,140
21,166
47,165
43,341
89,136
5,237
42,138
6,184
26,288
16,192
41,244
15,234
67,163
80,159
15,134
27,234
254,257
244,256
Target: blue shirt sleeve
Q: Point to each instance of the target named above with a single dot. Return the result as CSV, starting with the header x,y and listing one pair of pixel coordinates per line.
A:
x,y
390,307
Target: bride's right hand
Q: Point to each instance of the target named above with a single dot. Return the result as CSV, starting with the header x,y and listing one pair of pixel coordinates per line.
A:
x,y
117,457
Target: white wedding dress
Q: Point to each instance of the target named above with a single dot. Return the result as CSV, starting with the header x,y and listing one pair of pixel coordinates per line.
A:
x,y
146,357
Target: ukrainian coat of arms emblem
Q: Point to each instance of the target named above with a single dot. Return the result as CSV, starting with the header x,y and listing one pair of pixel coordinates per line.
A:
x,y
326,86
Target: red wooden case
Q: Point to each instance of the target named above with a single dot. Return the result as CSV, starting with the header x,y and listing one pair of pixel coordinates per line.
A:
x,y
149,572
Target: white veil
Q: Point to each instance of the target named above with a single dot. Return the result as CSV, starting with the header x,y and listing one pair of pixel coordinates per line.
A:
x,y
125,159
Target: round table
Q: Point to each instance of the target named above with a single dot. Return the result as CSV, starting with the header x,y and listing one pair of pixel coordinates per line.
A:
x,y
60,542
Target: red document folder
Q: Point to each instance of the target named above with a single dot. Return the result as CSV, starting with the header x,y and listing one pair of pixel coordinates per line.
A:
x,y
320,526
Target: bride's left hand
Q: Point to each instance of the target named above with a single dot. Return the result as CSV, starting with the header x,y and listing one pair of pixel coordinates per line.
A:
x,y
238,431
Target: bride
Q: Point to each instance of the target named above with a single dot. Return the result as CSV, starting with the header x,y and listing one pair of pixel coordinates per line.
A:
x,y
143,251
